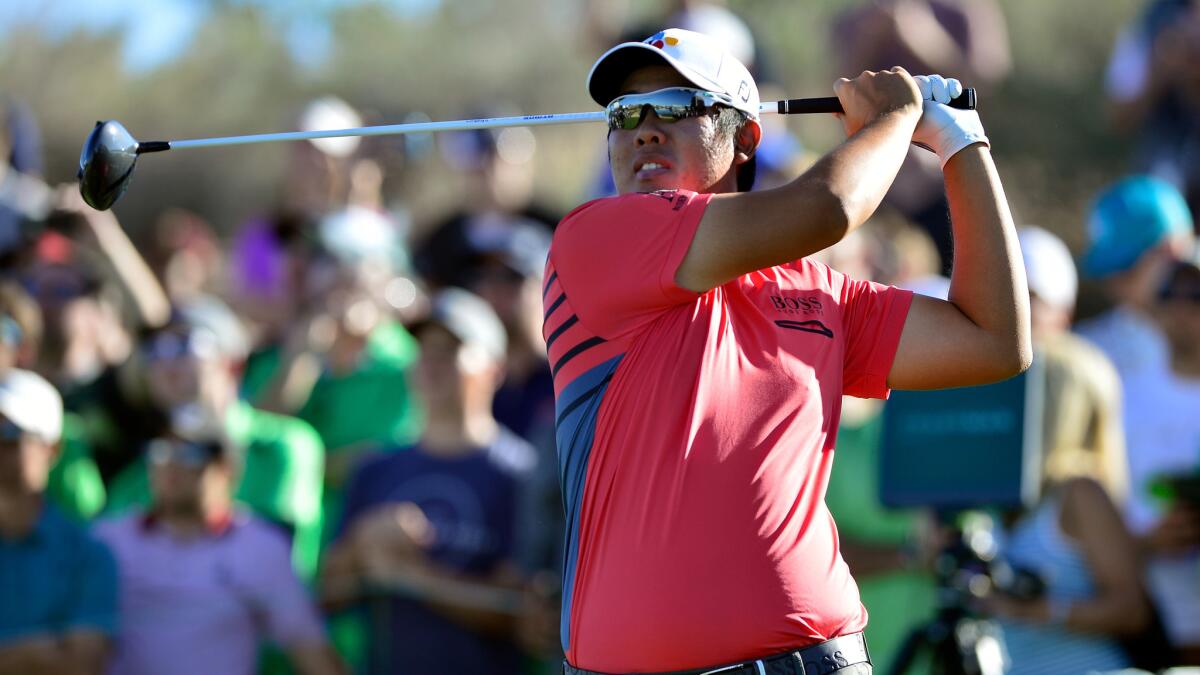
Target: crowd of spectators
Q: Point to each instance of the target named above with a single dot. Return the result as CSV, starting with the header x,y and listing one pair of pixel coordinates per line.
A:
x,y
325,444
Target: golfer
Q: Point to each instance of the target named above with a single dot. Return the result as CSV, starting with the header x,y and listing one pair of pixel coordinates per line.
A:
x,y
699,359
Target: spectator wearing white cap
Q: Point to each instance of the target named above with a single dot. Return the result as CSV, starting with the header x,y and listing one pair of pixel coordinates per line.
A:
x,y
1053,286
428,538
59,586
318,174
74,484
1074,538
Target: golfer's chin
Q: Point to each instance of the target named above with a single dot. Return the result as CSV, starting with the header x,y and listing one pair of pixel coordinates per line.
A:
x,y
665,180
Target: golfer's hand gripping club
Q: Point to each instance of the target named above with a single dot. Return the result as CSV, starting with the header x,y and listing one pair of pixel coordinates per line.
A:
x,y
964,100
945,129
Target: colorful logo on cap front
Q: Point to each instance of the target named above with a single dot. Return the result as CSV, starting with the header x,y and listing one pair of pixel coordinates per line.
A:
x,y
661,40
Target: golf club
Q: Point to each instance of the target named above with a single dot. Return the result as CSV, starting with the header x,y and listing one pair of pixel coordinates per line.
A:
x,y
110,151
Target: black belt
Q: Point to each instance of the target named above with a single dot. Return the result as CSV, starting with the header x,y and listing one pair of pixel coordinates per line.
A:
x,y
819,659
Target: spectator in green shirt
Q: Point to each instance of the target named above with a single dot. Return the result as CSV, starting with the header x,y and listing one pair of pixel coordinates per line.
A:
x,y
188,371
344,365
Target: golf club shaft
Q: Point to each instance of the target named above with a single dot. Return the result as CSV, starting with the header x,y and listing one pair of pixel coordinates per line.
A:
x,y
386,130
828,104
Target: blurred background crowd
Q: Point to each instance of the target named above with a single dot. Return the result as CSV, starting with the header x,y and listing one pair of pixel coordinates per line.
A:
x,y
287,409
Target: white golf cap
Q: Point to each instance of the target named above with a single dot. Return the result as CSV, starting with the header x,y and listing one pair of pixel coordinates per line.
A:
x,y
697,57
469,318
327,113
1048,267
31,403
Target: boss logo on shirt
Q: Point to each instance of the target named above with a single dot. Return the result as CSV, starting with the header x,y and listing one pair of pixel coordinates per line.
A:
x,y
795,305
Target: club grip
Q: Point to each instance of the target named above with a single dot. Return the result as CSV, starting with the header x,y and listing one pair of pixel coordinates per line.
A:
x,y
831,104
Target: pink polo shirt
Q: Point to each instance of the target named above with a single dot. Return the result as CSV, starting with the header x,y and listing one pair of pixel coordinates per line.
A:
x,y
695,439
204,605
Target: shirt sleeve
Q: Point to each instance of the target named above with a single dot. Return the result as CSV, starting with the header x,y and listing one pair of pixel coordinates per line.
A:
x,y
95,606
289,614
874,316
616,258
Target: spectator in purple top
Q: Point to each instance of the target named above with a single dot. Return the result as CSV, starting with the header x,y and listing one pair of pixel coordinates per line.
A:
x,y
428,534
202,585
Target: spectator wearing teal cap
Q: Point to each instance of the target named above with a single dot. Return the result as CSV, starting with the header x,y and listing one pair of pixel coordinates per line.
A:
x,y
1138,227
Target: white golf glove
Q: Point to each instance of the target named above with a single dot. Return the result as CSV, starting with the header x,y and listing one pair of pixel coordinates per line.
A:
x,y
944,130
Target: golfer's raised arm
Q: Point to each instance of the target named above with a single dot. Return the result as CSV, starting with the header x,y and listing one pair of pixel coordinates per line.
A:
x,y
819,208
981,334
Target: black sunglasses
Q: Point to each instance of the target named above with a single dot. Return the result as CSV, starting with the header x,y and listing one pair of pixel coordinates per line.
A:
x,y
10,433
1183,283
191,454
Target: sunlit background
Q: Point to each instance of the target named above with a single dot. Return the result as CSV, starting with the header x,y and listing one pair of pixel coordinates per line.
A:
x,y
171,69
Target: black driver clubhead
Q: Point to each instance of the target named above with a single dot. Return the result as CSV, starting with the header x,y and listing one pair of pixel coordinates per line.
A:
x,y
106,164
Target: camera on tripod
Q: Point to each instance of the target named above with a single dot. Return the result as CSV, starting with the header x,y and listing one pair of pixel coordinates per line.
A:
x,y
971,569
966,454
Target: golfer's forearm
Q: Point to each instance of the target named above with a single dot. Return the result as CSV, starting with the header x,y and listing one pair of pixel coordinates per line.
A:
x,y
988,281
857,174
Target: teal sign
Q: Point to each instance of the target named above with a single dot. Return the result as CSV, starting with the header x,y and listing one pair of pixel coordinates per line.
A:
x,y
964,448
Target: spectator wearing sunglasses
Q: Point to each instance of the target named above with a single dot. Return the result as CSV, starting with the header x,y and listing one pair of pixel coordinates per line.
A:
x,y
59,607
1138,227
700,358
204,585
186,374
1164,447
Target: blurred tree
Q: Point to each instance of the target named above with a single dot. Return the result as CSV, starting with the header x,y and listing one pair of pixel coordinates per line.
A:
x,y
240,73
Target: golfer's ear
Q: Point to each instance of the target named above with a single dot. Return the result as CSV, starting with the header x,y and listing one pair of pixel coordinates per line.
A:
x,y
745,141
